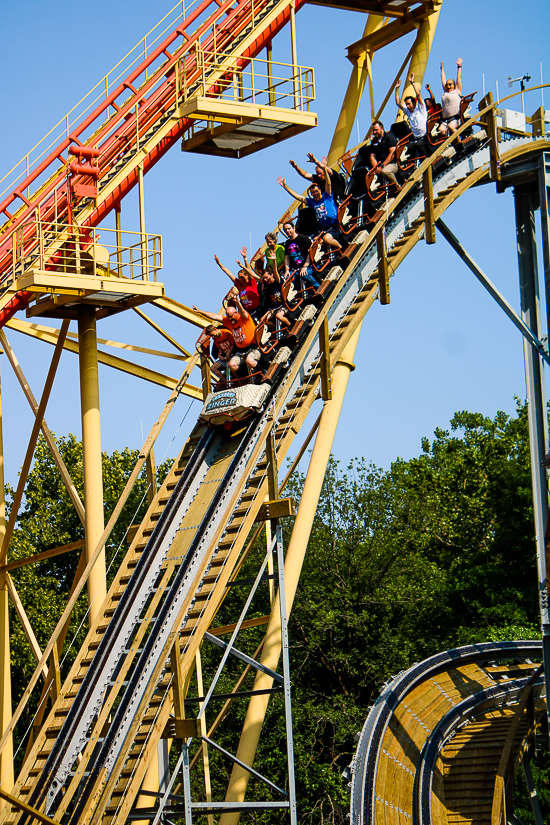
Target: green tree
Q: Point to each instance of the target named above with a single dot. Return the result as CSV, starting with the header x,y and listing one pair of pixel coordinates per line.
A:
x,y
436,552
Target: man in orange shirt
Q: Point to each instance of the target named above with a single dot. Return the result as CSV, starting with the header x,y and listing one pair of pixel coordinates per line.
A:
x,y
224,343
238,321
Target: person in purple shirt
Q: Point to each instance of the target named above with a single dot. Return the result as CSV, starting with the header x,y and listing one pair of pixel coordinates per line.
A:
x,y
324,207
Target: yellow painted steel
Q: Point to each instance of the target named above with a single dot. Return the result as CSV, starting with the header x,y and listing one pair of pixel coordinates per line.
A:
x,y
421,53
91,455
6,757
293,565
353,95
49,335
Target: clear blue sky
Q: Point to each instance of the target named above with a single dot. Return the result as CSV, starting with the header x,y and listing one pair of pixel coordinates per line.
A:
x,y
441,345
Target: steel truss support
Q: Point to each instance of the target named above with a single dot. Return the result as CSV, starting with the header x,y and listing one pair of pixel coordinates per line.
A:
x,y
171,804
526,201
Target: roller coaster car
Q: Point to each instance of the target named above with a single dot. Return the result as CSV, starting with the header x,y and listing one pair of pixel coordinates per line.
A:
x,y
277,366
404,160
376,190
233,404
352,216
268,340
326,257
302,324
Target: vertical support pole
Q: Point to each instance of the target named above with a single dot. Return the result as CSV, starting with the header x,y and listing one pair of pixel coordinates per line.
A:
x,y
204,731
429,211
118,240
271,469
293,564
6,757
544,185
272,494
269,53
326,378
383,273
294,51
526,201
286,675
368,63
270,565
206,377
144,262
91,454
538,123
490,123
186,783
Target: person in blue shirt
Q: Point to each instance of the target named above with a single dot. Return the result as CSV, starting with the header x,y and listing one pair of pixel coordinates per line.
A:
x,y
324,207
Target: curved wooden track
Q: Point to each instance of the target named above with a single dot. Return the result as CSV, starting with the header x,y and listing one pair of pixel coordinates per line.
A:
x,y
443,735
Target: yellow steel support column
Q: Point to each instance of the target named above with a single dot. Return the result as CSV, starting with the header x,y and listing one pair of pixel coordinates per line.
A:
x,y
293,565
422,48
91,454
352,97
429,209
6,757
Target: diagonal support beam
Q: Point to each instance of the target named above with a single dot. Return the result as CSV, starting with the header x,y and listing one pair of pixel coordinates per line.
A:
x,y
161,331
27,627
49,335
47,554
18,803
71,489
23,475
492,290
249,660
245,767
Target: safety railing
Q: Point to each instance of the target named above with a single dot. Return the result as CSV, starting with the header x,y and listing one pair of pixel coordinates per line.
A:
x,y
74,250
137,84
97,94
258,81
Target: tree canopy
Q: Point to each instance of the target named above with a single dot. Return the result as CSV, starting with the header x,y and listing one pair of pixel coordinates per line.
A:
x,y
435,552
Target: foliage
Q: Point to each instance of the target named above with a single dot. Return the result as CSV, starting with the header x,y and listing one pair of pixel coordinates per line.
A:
x,y
436,552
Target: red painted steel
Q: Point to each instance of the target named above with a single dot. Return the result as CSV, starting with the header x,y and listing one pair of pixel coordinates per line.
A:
x,y
116,138
19,301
